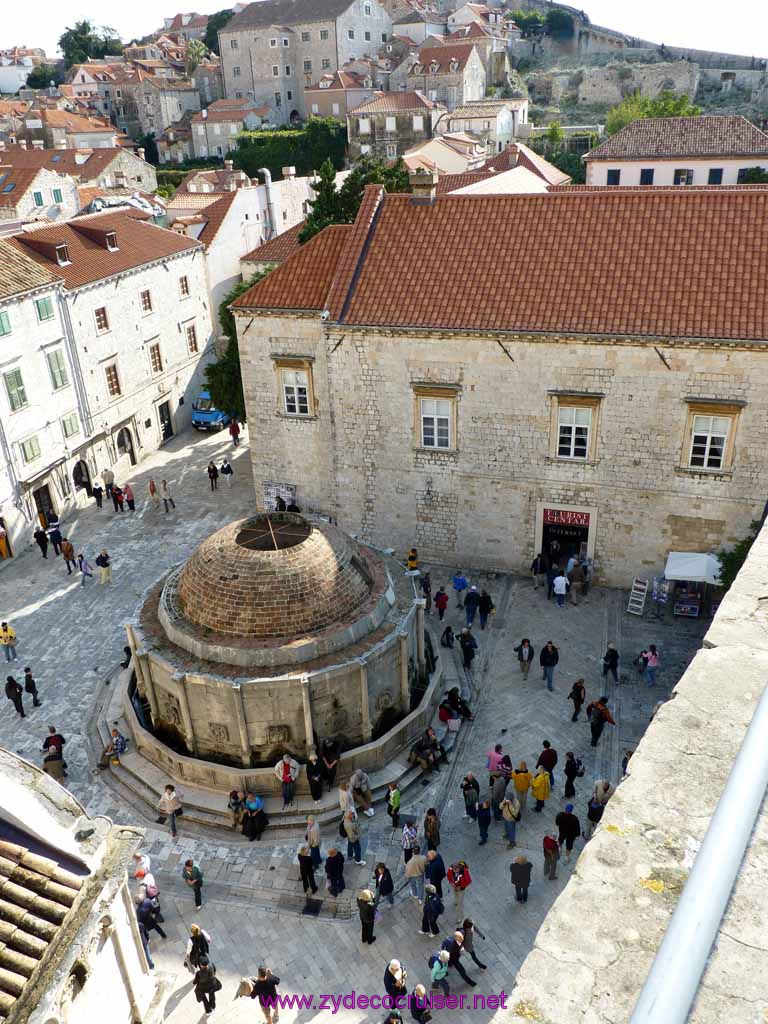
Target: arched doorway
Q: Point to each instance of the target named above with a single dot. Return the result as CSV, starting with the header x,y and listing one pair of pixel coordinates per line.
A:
x,y
125,444
82,477
295,117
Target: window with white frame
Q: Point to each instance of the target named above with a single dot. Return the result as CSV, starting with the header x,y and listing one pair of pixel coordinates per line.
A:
x,y
391,124
57,367
286,41
315,108
367,10
364,126
295,384
273,43
418,123
5,324
436,415
709,439
58,196
44,309
38,198
233,44
335,109
14,387
573,429
30,449
70,425
391,151
146,301
275,71
305,37
102,319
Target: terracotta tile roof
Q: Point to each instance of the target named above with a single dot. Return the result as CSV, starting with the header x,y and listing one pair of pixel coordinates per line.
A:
x,y
285,12
338,80
443,56
21,178
303,281
483,108
194,200
37,895
452,182
196,21
407,40
20,273
277,249
662,137
215,215
657,188
473,30
418,17
90,260
393,102
675,264
74,122
518,155
65,160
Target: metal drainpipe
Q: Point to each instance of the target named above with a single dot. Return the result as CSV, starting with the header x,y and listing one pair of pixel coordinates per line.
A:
x,y
679,965
270,202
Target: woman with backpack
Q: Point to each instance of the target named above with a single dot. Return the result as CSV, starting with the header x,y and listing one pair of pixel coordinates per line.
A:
x,y
572,770
198,946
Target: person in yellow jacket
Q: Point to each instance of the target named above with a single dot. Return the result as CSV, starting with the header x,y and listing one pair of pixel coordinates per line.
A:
x,y
8,640
522,780
541,788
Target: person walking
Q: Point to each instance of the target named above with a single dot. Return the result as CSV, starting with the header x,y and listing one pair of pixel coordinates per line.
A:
x,y
468,646
227,472
432,829
498,792
334,870
265,990
414,872
569,829
395,977
434,873
128,492
393,804
149,914
603,791
425,583
578,695
154,497
166,493
524,652
118,498
611,662
454,946
206,985
385,887
471,605
459,880
551,855
651,656
560,587
572,769
360,788
313,840
168,807
8,640
30,687
470,790
594,815
109,481
433,908
104,563
420,1005
286,772
213,476
41,539
520,872
598,714
459,586
484,821
315,778
307,870
198,946
85,567
98,492
469,929
485,607
68,553
366,908
234,432
438,964
412,561
548,658
193,876
541,788
441,602
510,814
522,779
54,536
548,759
352,832
539,571
13,692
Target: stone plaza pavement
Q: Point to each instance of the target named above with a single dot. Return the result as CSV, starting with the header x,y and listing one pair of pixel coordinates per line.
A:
x,y
73,638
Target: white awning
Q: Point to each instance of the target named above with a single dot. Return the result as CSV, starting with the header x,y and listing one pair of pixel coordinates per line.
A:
x,y
691,566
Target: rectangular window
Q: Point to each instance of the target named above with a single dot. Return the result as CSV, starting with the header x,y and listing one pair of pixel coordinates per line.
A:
x,y
184,287
278,99
296,392
305,37
236,71
573,427
102,320
14,386
286,41
435,422
113,380
191,332
275,71
57,196
364,126
307,65
383,37
57,368
30,449
288,69
323,35
5,324
273,43
289,95
715,176
418,123
38,198
708,441
146,301
155,358
367,10
391,124
683,177
233,44
614,177
646,175
350,33
336,109
367,36
44,308
326,63
62,255
391,151
315,108
70,424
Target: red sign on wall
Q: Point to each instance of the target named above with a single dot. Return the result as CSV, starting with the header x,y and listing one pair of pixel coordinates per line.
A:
x,y
563,518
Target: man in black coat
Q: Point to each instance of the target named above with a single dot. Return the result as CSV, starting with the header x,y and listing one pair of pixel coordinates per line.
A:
x,y
435,871
366,907
433,908
520,870
454,947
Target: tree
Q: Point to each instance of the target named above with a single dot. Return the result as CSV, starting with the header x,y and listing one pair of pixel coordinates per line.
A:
x,y
326,206
529,22
225,383
559,23
216,23
569,163
43,75
195,54
555,135
636,106
731,561
148,144
86,40
753,176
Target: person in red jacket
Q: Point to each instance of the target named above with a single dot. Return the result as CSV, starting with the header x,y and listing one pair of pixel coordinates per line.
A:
x,y
459,880
234,432
441,602
551,855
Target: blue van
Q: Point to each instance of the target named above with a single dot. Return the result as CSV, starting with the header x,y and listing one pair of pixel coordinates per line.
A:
x,y
205,416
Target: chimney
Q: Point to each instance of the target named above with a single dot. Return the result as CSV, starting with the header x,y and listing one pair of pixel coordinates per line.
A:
x,y
289,172
423,187
229,165
2,146
204,114
23,143
140,151
38,144
60,145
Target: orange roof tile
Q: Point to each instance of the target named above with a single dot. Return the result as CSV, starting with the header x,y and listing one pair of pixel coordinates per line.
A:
x,y
278,248
443,56
214,217
392,102
715,136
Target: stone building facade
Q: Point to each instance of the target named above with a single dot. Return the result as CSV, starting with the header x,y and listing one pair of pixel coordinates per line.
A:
x,y
390,123
271,53
450,75
624,419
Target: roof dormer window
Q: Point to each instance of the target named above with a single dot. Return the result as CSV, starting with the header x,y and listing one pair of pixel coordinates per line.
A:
x,y
112,241
62,255
454,65
433,67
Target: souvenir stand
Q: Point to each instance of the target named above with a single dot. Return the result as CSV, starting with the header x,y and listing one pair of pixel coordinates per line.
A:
x,y
691,577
